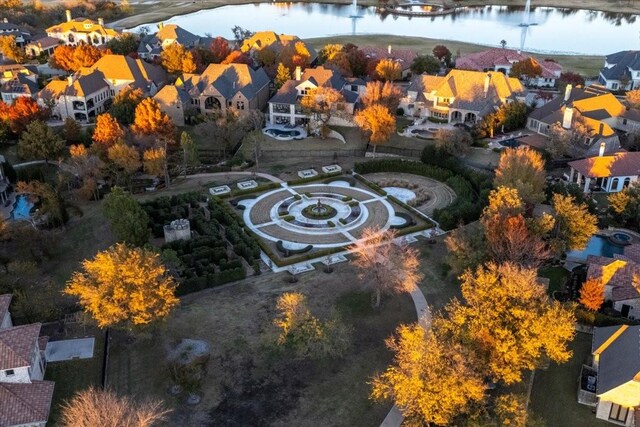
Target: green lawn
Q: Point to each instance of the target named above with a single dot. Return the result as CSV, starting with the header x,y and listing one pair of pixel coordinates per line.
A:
x,y
73,376
554,394
557,277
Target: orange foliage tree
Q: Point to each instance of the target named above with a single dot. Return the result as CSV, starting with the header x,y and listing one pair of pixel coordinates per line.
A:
x,y
388,70
176,59
384,266
124,161
237,57
20,113
323,103
124,287
9,49
385,94
430,379
107,132
151,120
592,294
219,49
72,58
378,123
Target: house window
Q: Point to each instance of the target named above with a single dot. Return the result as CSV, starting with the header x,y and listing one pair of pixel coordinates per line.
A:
x,y
240,105
10,372
354,88
614,86
618,413
303,91
624,121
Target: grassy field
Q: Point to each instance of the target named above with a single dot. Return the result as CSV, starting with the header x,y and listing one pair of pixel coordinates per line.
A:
x,y
586,65
554,395
246,378
557,277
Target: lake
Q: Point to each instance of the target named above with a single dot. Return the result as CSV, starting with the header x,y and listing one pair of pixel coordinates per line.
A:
x,y
568,31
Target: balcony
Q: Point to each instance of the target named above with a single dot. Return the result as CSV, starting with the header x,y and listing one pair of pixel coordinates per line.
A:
x,y
78,105
281,108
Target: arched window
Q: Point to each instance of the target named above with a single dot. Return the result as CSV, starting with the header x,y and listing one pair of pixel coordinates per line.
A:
x,y
614,184
626,182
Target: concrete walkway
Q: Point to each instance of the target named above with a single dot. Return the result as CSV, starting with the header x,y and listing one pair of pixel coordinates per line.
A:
x,y
394,418
237,173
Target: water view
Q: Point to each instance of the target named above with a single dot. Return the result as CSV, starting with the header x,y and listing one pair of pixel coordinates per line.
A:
x,y
553,31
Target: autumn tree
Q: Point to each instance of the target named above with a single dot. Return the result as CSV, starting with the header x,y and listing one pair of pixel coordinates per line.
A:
x,y
87,167
509,321
625,205
266,57
386,94
52,209
129,222
99,407
357,59
10,50
377,122
124,287
20,113
328,52
72,131
189,151
124,105
522,168
430,379
40,142
466,248
633,98
592,294
443,54
512,116
425,64
237,57
388,70
73,58
526,69
151,120
125,44
454,141
569,77
283,75
511,410
107,132
384,266
306,335
124,161
559,141
154,162
574,225
295,55
219,49
323,102
176,59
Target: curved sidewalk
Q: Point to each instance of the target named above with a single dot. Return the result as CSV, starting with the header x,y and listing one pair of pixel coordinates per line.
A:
x,y
236,173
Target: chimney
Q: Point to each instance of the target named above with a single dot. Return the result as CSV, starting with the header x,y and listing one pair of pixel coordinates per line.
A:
x,y
160,25
68,12
567,117
70,80
298,75
101,21
487,81
567,92
5,20
389,49
601,130
602,147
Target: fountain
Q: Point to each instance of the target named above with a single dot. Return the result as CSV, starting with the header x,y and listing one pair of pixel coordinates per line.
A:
x,y
354,10
526,18
319,210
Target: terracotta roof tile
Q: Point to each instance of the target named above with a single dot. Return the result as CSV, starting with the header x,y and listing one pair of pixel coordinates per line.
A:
x,y
616,273
492,58
25,403
16,345
5,302
622,163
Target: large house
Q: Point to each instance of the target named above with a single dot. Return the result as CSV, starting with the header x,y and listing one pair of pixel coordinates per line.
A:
x,y
277,43
121,72
81,30
227,87
42,46
80,97
285,106
612,382
8,29
151,45
175,102
592,106
25,399
502,60
606,172
619,275
403,57
461,96
621,70
17,80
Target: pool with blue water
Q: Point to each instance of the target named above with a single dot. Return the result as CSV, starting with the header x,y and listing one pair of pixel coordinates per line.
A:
x,y
598,246
22,208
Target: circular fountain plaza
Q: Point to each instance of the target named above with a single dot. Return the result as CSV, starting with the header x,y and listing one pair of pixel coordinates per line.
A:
x,y
323,215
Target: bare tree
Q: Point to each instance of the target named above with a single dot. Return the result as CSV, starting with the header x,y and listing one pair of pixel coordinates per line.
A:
x,y
385,266
93,407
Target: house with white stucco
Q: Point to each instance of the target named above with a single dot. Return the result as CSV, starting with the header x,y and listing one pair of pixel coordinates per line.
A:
x,y
609,173
77,31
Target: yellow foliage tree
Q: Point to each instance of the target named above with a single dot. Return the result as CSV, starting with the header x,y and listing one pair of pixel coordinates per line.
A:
x,y
378,123
430,378
125,160
153,161
592,294
176,59
107,132
510,321
11,50
388,70
124,287
574,225
151,120
386,94
323,103
522,168
384,266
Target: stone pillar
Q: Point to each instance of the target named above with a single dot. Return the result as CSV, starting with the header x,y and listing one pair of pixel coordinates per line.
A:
x,y
587,181
579,180
292,111
571,175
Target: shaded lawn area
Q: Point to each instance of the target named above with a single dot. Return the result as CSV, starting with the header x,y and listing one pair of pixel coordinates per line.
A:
x,y
75,375
557,276
248,378
555,391
439,284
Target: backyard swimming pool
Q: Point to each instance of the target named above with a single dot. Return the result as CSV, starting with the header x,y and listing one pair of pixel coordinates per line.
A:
x,y
22,208
598,246
284,134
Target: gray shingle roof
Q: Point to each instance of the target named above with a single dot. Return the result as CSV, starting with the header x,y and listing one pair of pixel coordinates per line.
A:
x,y
228,79
622,62
620,359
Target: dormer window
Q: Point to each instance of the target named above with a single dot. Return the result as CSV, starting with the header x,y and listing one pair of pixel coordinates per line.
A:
x,y
304,91
88,26
9,372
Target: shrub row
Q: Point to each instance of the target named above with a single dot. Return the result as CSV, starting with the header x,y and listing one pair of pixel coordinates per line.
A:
x,y
313,178
195,284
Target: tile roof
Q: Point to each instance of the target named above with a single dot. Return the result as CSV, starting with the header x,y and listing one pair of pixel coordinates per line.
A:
x,y
25,403
5,302
619,355
16,345
82,25
622,163
489,59
617,273
404,57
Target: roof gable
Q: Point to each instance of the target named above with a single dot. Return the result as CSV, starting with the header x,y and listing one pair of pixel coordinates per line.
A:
x,y
17,345
618,351
25,403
